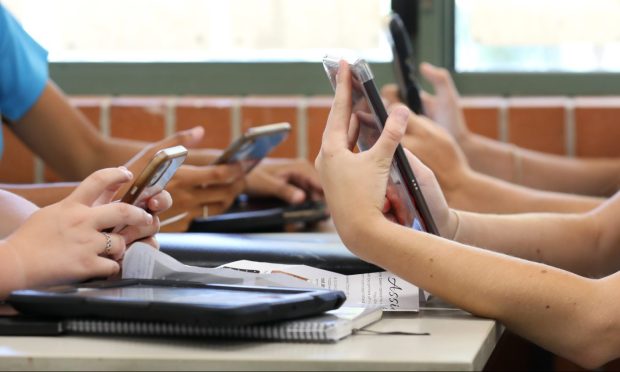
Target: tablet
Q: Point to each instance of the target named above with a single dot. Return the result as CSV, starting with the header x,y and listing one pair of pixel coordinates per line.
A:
x,y
404,64
262,215
408,204
175,301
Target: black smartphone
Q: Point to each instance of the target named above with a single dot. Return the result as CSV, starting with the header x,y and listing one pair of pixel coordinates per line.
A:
x,y
408,203
255,144
154,177
404,64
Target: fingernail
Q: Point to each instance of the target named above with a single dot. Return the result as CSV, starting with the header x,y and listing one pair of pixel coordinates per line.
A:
x,y
149,218
402,113
155,203
298,196
126,171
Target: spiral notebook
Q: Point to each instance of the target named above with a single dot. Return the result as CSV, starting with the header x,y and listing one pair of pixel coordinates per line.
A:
x,y
329,327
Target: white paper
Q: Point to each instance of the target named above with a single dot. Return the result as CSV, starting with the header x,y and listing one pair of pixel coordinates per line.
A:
x,y
373,289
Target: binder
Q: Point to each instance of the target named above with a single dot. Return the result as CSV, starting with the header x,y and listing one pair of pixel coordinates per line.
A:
x,y
325,328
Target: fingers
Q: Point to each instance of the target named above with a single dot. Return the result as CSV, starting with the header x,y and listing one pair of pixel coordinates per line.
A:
x,y
196,176
112,246
336,129
422,172
104,182
103,268
159,202
286,191
134,233
187,138
119,214
392,133
430,104
391,93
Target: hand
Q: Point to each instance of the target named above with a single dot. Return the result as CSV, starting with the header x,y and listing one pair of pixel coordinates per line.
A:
x,y
443,107
202,190
355,183
434,146
63,242
196,190
292,180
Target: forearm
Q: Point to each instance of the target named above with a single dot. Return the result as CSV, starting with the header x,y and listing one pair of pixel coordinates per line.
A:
x,y
11,271
535,300
540,170
41,194
13,212
566,241
480,193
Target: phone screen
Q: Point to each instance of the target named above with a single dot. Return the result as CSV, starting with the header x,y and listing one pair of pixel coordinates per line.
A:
x,y
250,153
408,205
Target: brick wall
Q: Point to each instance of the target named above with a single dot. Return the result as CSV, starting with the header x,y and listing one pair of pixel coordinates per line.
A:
x,y
582,126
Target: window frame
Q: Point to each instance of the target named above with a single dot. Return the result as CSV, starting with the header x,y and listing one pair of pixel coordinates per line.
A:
x,y
436,24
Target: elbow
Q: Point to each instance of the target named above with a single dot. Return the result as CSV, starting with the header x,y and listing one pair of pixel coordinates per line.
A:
x,y
591,356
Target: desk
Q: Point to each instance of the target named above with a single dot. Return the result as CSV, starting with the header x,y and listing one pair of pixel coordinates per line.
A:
x,y
458,341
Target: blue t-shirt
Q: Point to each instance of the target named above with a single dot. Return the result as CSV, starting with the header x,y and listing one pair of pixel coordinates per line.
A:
x,y
23,69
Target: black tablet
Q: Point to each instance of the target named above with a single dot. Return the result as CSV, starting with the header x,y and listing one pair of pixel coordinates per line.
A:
x,y
408,204
404,64
248,215
175,301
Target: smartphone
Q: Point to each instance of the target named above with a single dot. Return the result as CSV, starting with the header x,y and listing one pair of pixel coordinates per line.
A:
x,y
153,178
404,64
408,204
255,144
155,175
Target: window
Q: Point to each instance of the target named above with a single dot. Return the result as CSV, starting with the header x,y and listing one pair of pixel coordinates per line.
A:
x,y
537,36
204,30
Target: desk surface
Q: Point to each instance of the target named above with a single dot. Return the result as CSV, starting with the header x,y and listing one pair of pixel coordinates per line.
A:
x,y
458,341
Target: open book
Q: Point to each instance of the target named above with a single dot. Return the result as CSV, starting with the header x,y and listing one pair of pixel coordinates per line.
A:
x,y
378,289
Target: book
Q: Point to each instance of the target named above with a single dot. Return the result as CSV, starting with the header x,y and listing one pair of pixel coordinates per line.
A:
x,y
331,326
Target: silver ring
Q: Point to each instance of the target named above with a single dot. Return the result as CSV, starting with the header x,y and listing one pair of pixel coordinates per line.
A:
x,y
108,244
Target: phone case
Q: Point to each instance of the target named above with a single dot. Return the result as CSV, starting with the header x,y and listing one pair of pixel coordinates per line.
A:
x,y
410,208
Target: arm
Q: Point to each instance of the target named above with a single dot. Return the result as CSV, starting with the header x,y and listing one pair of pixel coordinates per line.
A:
x,y
13,212
539,170
598,177
466,189
41,194
570,315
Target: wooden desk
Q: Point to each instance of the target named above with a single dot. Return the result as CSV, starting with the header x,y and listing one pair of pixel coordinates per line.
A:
x,y
458,341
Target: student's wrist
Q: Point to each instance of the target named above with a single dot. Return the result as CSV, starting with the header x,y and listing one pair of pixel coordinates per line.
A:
x,y
12,274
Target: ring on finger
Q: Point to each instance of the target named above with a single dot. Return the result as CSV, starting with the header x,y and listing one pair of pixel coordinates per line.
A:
x,y
107,251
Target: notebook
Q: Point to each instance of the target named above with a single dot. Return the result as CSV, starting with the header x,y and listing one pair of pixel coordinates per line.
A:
x,y
329,327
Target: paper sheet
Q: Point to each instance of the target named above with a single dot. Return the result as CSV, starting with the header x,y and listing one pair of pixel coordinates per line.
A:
x,y
373,289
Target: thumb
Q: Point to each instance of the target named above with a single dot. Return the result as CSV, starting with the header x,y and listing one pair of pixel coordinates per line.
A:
x,y
187,138
392,133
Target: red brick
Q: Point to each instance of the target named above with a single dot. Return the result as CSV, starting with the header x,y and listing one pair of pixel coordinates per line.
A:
x,y
138,118
317,113
17,163
214,114
482,115
597,126
538,123
257,111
